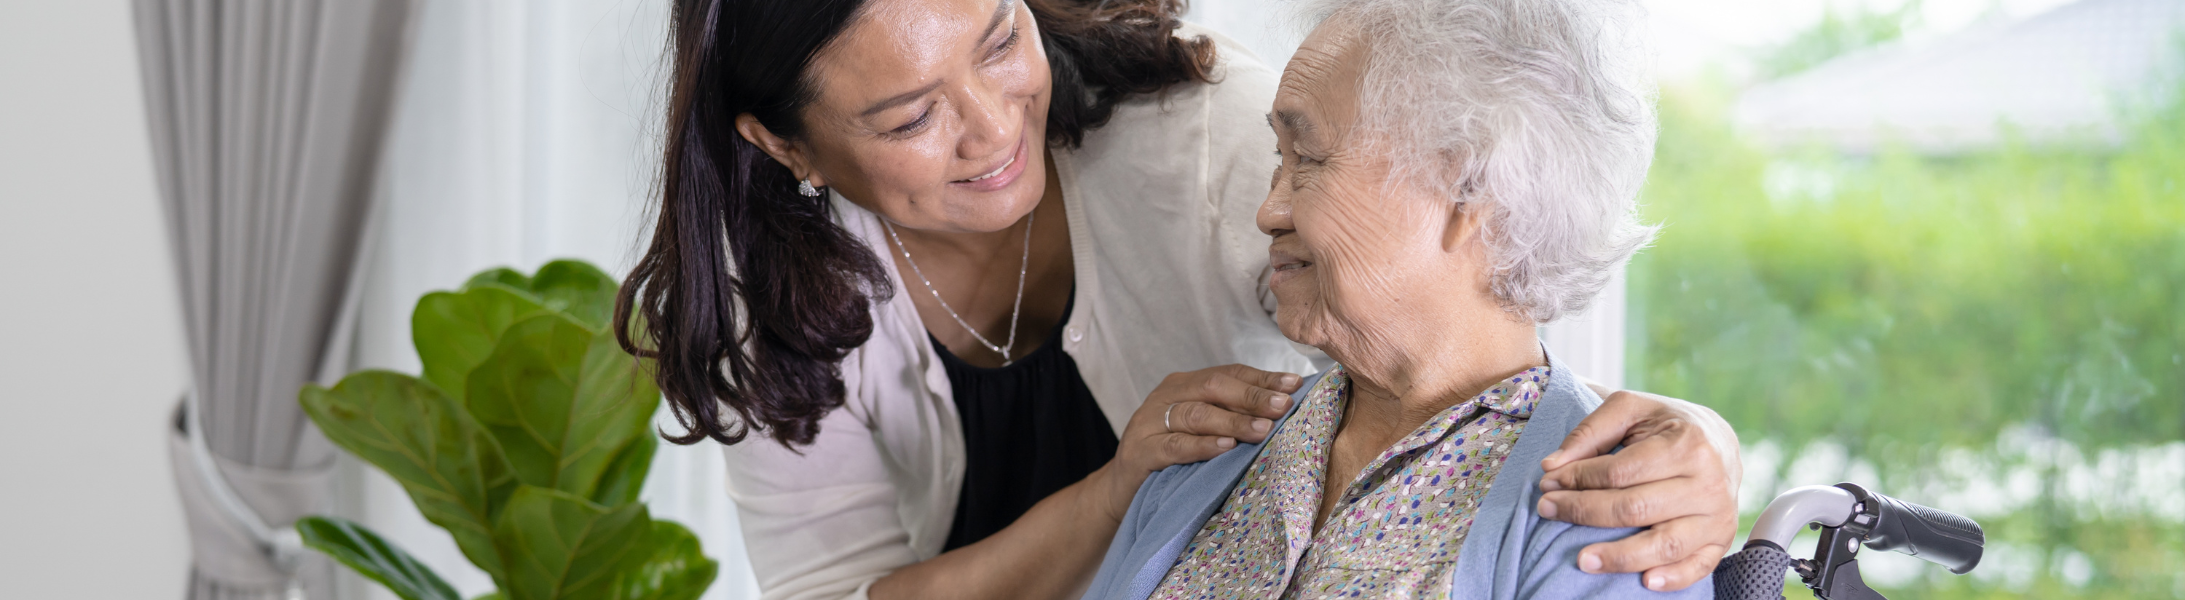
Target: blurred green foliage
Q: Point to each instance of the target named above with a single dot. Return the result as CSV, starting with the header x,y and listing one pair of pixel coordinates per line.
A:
x,y
1838,32
2020,303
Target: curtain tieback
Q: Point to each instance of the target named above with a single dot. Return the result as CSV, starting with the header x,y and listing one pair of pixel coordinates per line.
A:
x,y
229,507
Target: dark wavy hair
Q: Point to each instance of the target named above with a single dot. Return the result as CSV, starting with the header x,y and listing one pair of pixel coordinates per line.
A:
x,y
765,336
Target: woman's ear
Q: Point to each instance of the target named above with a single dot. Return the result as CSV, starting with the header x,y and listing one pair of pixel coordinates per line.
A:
x,y
1466,217
782,150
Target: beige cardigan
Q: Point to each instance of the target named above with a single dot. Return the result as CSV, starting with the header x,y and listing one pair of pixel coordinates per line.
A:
x,y
1170,277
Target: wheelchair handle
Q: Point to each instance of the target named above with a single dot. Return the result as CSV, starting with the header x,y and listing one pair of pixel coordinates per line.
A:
x,y
1878,521
1791,511
1938,536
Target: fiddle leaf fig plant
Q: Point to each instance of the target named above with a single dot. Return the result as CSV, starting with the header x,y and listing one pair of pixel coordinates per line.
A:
x,y
527,438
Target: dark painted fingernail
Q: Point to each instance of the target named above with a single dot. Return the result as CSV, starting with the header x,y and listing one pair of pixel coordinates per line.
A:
x,y
1591,563
1261,425
1547,511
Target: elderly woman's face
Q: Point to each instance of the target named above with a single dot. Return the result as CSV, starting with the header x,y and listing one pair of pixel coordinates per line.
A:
x,y
1354,259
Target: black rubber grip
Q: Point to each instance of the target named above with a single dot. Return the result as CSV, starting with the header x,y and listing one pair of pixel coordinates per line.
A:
x,y
1940,537
1756,573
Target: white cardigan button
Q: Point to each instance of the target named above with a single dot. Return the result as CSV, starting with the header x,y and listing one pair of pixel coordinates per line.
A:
x,y
1075,335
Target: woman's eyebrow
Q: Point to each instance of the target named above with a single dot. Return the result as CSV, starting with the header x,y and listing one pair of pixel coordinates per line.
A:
x,y
1002,10
900,99
1293,121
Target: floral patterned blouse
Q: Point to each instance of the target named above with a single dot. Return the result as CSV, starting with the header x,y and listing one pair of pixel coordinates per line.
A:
x,y
1399,526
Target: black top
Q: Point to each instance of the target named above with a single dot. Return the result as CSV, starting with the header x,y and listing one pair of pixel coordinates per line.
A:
x,y
1030,429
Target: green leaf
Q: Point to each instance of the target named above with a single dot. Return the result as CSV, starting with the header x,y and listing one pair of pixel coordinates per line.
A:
x,y
373,557
579,289
496,595
562,401
528,439
677,569
501,275
454,331
452,469
615,397
561,546
625,476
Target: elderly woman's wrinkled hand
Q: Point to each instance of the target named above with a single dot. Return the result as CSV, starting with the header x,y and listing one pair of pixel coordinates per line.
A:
x,y
1677,475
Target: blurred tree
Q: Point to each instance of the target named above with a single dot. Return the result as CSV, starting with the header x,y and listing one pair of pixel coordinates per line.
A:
x,y
2020,306
1837,34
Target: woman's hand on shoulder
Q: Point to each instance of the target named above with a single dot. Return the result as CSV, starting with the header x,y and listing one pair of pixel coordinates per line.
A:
x,y
1194,416
1677,475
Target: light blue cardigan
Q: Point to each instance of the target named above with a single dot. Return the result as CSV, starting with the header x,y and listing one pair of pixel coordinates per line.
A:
x,y
1510,554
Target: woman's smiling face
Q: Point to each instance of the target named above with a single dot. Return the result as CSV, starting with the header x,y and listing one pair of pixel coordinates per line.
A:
x,y
932,113
1356,261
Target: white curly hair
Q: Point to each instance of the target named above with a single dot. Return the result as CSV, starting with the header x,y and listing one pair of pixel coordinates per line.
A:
x,y
1536,110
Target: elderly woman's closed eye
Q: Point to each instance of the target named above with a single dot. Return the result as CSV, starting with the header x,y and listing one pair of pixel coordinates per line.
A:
x,y
1454,173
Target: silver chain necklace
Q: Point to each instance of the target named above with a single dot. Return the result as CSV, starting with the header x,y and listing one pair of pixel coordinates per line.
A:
x,y
1002,350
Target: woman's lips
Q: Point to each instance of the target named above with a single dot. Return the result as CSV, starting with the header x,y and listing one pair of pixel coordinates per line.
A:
x,y
997,170
1286,265
1001,176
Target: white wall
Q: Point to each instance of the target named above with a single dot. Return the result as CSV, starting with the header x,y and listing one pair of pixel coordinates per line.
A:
x,y
91,354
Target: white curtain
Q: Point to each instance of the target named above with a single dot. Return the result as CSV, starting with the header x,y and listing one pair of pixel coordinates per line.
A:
x,y
525,131
266,120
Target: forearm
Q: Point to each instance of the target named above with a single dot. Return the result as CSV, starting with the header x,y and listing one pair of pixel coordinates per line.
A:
x,y
1050,552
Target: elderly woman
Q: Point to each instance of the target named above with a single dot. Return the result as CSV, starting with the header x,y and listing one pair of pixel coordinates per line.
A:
x,y
1454,173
